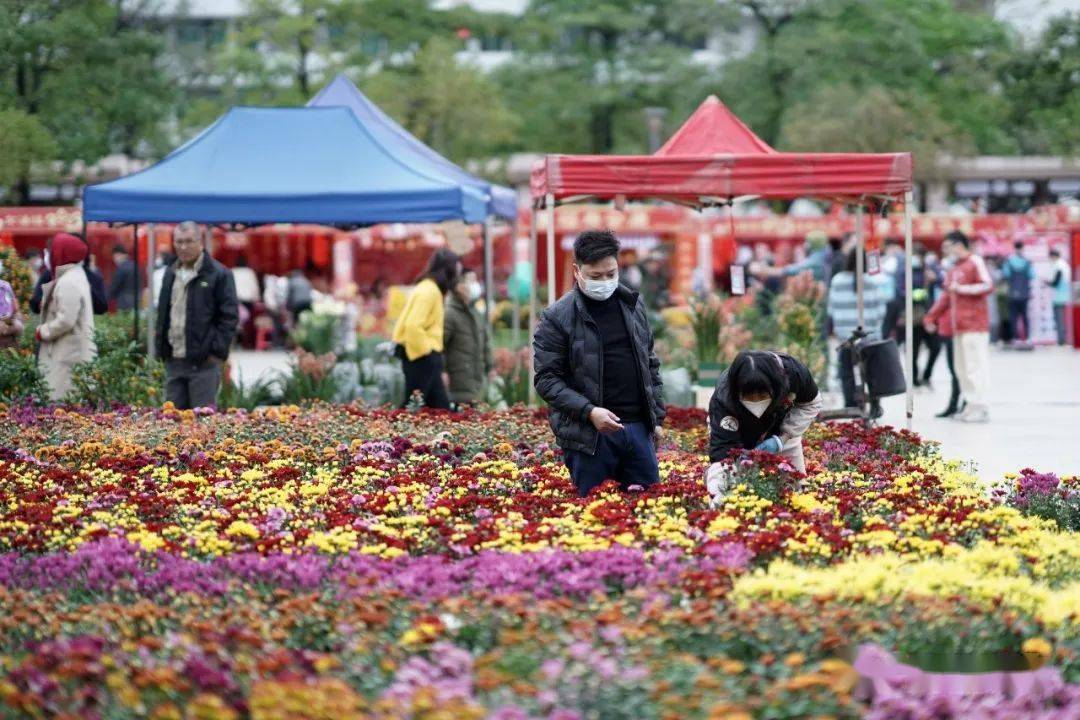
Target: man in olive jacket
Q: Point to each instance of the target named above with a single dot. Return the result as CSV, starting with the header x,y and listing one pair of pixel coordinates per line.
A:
x,y
466,346
595,366
196,322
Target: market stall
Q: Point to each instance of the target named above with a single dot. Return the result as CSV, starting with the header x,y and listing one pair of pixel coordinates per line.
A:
x,y
715,159
258,166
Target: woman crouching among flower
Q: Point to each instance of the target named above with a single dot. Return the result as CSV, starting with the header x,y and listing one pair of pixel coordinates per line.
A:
x,y
764,401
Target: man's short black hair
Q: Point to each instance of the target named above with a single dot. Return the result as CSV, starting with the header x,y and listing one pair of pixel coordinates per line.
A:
x,y
958,237
1054,252
594,245
120,250
1018,245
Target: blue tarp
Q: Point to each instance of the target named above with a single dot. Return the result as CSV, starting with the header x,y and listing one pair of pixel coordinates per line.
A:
x,y
266,165
341,92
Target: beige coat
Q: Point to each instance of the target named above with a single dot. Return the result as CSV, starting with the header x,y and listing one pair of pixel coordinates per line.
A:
x,y
66,331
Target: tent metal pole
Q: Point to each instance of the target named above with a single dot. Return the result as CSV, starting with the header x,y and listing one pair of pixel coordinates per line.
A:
x,y
909,314
137,289
860,250
489,274
151,306
552,277
533,304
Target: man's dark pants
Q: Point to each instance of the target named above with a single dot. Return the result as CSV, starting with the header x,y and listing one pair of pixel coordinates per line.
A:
x,y
627,456
190,385
1019,309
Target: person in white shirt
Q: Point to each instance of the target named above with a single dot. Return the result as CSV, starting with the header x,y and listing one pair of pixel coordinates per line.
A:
x,y
247,282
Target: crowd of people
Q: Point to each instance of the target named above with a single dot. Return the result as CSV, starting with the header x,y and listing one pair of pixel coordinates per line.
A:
x,y
962,304
442,339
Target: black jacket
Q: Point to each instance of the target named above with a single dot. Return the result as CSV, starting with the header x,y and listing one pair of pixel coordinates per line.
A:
x,y
732,427
568,359
212,313
122,289
97,291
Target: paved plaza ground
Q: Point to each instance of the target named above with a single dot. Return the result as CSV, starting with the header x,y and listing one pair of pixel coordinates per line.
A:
x,y
1034,414
1034,401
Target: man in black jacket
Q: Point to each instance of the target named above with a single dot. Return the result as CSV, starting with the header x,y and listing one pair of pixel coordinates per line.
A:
x,y
196,322
596,368
123,289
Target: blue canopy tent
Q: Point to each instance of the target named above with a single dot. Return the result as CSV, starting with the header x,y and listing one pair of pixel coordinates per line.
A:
x,y
502,201
264,165
256,166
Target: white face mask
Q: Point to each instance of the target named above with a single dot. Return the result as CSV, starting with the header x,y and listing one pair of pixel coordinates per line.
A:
x,y
756,407
599,289
474,292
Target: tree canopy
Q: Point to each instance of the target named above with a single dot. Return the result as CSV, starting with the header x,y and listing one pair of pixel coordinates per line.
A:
x,y
80,79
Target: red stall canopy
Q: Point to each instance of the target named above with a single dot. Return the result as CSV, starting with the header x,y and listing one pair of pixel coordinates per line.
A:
x,y
715,156
714,159
713,130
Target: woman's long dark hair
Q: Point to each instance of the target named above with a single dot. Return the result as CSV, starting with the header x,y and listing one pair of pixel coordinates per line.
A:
x,y
443,269
757,371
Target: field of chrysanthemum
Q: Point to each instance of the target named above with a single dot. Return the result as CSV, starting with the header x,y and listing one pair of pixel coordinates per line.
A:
x,y
332,563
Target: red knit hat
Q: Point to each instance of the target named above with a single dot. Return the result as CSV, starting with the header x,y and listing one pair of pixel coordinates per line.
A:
x,y
66,249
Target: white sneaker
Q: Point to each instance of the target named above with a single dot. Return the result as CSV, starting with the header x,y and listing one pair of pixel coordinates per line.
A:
x,y
976,415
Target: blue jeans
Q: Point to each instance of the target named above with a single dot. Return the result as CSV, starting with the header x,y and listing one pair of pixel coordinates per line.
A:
x,y
627,456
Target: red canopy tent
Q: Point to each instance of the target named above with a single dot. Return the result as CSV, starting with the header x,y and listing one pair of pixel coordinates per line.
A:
x,y
713,159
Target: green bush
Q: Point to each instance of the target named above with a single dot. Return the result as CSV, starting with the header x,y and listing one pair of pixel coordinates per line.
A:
x,y
20,380
311,377
246,396
316,332
121,374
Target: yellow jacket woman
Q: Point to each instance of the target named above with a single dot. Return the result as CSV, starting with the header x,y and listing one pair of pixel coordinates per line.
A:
x,y
419,331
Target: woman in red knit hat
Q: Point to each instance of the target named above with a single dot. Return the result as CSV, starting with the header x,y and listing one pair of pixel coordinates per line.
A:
x,y
66,331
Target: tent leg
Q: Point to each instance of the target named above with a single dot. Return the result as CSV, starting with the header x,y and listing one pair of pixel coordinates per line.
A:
x,y
909,314
137,289
860,251
553,281
151,307
489,274
533,304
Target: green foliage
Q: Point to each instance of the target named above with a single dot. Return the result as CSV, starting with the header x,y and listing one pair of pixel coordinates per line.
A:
x,y
512,374
84,78
23,139
20,380
122,373
444,103
90,75
874,119
929,50
235,394
1041,86
316,332
706,316
586,71
299,384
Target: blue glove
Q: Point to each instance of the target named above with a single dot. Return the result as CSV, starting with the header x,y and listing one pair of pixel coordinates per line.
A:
x,y
771,444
